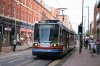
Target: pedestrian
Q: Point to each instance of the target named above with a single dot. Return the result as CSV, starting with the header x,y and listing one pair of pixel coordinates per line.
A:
x,y
98,46
18,43
92,44
90,39
98,42
14,45
86,43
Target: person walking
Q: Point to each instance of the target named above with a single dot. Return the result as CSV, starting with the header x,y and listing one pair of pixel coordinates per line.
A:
x,y
14,45
86,43
92,44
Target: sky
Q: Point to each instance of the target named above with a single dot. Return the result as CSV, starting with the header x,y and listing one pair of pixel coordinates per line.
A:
x,y
74,10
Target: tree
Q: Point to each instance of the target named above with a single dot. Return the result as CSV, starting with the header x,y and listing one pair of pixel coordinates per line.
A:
x,y
87,34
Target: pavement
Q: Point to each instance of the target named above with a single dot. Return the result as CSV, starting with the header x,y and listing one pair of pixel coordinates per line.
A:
x,y
83,59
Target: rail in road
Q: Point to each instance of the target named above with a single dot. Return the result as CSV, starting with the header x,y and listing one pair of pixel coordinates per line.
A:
x,y
26,59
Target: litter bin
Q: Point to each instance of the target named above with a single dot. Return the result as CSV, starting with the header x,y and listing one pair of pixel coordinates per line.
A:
x,y
98,48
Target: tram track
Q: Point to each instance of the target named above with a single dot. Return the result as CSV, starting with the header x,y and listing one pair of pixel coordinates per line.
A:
x,y
59,62
26,59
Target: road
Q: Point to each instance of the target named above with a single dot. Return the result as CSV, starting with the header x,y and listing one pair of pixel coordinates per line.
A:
x,y
23,58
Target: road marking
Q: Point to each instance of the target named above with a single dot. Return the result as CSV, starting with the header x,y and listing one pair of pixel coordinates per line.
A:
x,y
54,63
15,60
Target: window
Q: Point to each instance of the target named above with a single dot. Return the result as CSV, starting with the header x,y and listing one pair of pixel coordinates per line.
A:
x,y
18,12
25,17
15,9
9,8
3,6
25,2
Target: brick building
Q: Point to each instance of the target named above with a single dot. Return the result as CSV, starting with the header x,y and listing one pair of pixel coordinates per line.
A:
x,y
18,17
96,31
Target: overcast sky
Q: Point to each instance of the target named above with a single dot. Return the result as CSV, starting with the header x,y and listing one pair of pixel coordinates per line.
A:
x,y
74,10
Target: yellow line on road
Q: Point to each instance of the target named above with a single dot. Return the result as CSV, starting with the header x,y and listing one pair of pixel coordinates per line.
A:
x,y
54,63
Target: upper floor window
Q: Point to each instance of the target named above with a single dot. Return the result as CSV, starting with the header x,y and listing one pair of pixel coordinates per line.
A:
x,y
3,6
15,9
9,8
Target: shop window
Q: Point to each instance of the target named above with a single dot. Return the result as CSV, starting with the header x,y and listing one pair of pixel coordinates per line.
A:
x,y
6,37
23,35
30,35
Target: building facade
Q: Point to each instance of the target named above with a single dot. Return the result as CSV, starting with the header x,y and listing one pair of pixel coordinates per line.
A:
x,y
18,18
96,31
65,21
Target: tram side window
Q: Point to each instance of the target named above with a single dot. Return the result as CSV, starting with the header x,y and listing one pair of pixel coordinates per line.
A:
x,y
60,37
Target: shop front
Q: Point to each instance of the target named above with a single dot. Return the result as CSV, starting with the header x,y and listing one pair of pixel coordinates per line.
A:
x,y
6,32
98,32
26,34
9,31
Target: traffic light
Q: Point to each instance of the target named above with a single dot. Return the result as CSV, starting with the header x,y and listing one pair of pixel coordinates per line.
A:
x,y
80,29
1,29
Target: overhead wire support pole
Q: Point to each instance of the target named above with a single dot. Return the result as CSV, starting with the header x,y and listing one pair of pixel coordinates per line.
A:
x,y
81,36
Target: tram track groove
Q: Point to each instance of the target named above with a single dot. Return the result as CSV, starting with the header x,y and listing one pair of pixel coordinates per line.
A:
x,y
61,61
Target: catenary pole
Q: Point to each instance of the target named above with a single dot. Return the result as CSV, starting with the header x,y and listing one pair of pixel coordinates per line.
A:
x,y
81,36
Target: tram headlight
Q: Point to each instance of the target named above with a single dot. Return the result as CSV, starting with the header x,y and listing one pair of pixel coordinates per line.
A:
x,y
54,45
35,44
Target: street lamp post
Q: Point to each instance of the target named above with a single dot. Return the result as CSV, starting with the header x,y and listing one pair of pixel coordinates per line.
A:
x,y
84,23
88,17
84,28
62,9
63,15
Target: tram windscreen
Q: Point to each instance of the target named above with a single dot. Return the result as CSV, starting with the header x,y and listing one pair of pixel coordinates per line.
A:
x,y
46,33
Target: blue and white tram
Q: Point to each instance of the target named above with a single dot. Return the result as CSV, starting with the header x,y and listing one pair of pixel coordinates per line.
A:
x,y
51,38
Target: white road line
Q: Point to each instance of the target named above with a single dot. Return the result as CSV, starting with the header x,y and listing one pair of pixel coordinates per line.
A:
x,y
15,60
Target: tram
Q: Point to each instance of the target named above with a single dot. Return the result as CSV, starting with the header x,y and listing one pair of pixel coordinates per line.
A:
x,y
52,38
